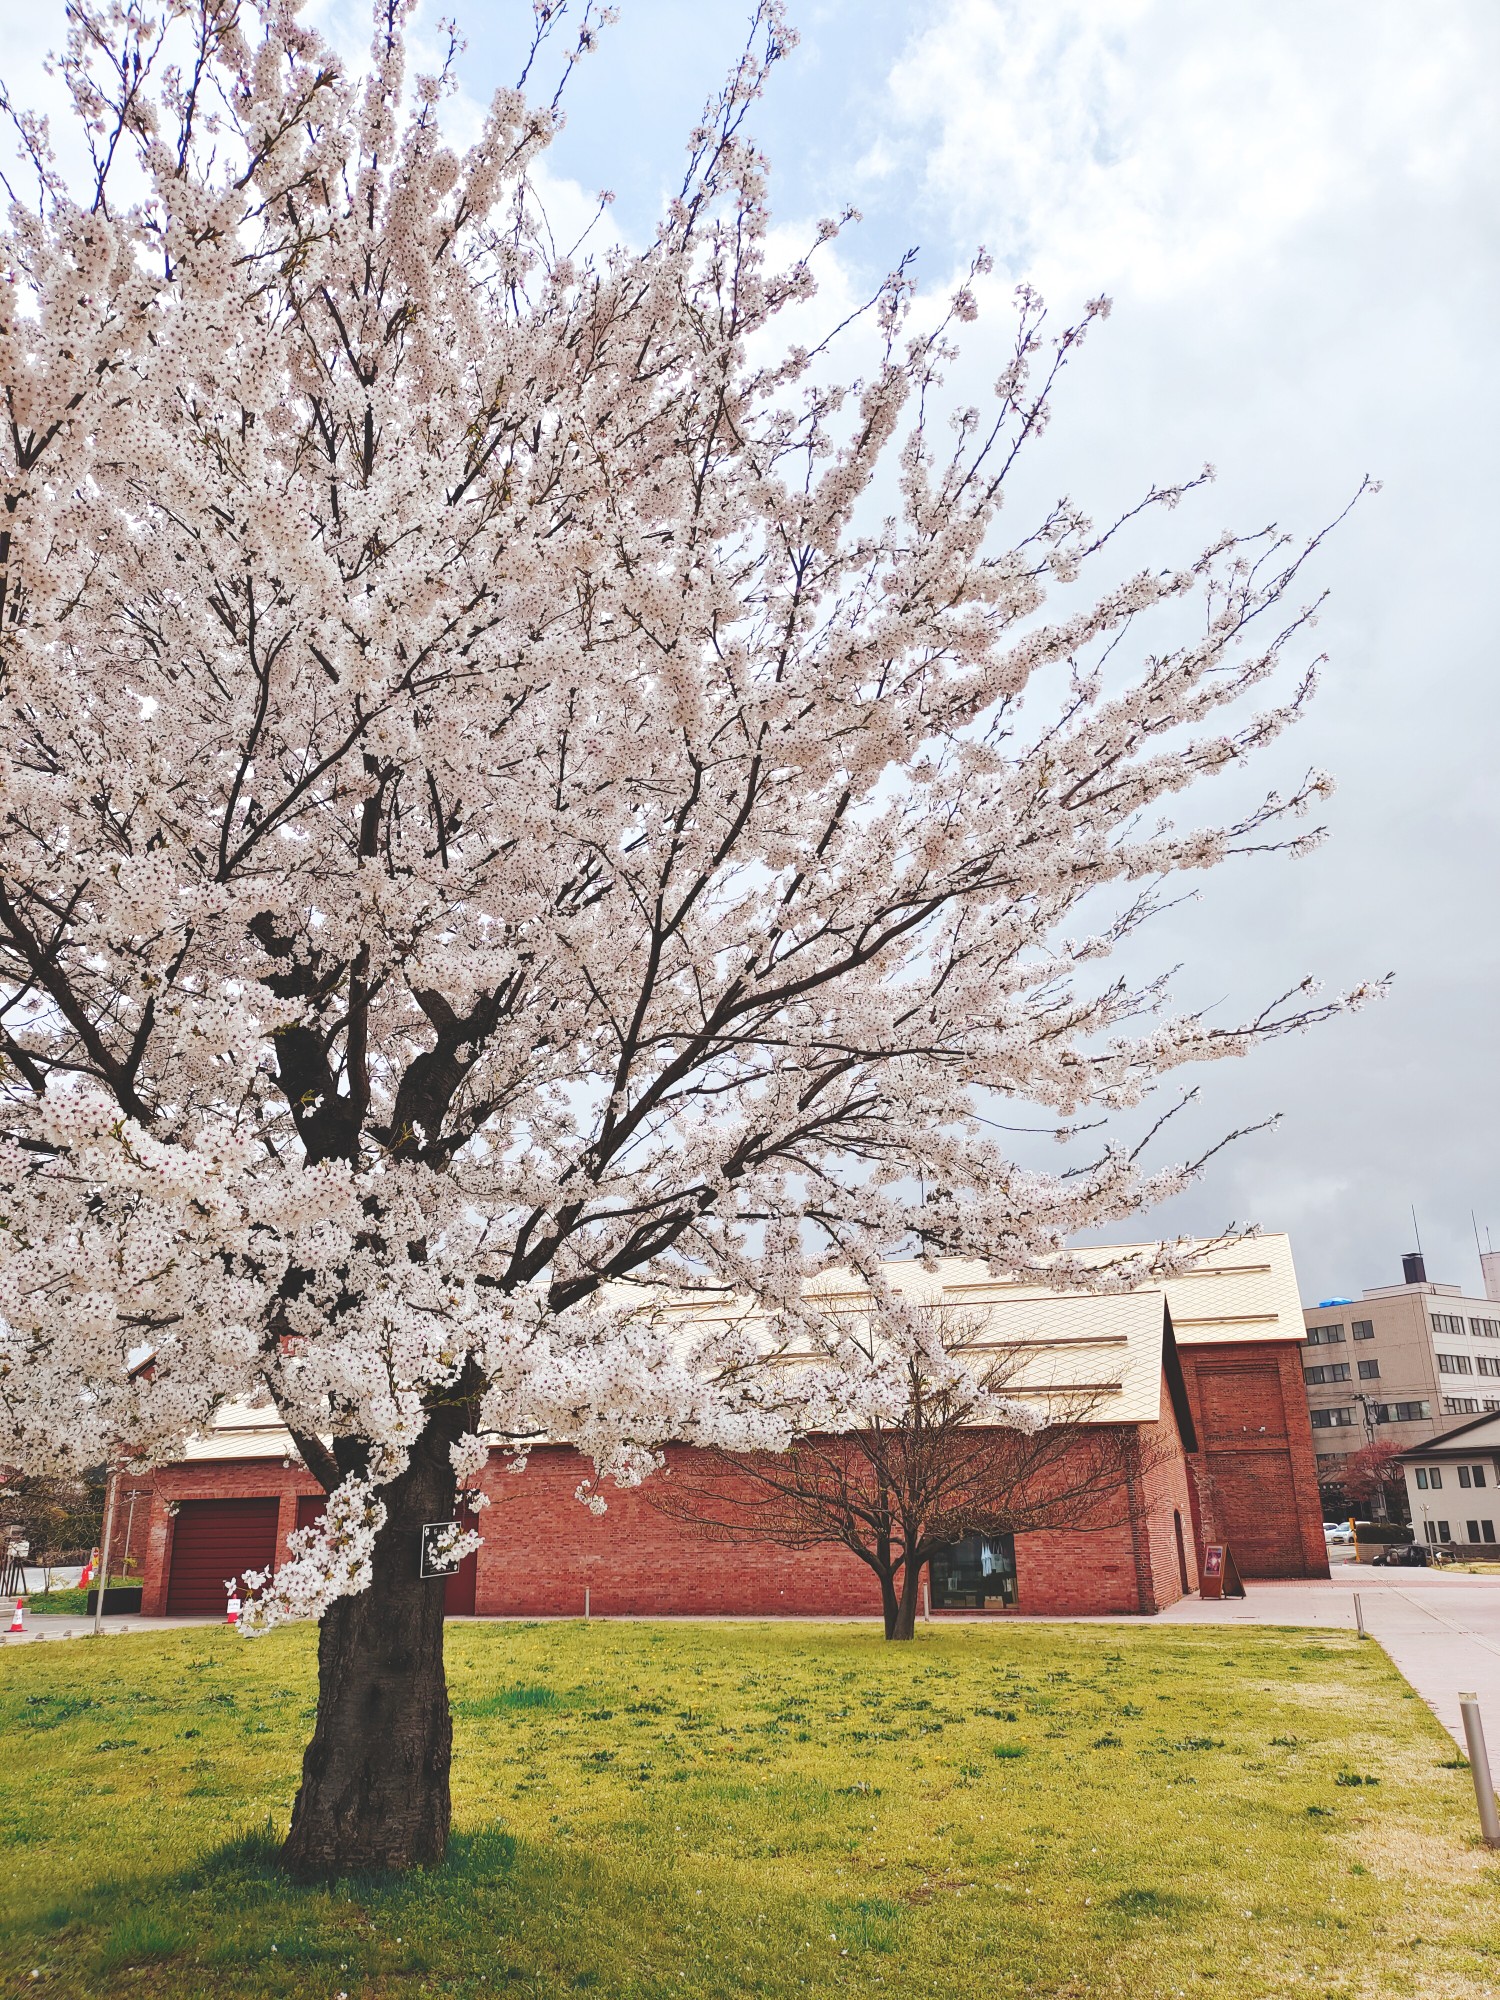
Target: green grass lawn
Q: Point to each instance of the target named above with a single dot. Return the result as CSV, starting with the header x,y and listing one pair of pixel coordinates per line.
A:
x,y
695,1810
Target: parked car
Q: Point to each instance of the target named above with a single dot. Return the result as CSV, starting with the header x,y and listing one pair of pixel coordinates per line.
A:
x,y
1337,1531
1402,1555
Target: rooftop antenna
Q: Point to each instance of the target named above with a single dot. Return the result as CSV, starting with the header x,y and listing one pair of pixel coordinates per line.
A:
x,y
1476,1231
1414,1229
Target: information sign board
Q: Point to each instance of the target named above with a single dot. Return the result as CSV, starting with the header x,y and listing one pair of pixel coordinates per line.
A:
x,y
1220,1577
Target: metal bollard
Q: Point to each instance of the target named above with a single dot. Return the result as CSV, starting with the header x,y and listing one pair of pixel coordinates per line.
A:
x,y
1479,1764
585,1603
1359,1617
927,1600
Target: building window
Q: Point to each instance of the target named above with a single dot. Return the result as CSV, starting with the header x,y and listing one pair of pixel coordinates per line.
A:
x,y
1329,1420
1429,1529
1447,1323
1443,1535
1363,1329
1461,1406
1487,1329
1478,1472
1326,1336
1473,1528
1331,1371
978,1570
1487,1529
1422,1478
1403,1413
1487,1364
1463,1475
1369,1371
1454,1364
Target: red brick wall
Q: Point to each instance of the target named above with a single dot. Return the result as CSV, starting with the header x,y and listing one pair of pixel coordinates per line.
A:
x,y
1256,1485
219,1479
542,1548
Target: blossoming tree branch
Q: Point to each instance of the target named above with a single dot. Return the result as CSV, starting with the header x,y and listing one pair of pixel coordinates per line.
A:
x,y
517,802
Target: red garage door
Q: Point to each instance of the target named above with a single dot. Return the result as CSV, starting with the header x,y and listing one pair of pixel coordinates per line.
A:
x,y
215,1539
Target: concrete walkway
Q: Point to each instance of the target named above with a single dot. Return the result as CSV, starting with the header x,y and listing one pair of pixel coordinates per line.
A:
x,y
80,1625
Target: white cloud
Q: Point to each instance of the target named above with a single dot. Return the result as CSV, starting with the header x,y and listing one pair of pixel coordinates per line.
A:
x,y
1170,142
1293,205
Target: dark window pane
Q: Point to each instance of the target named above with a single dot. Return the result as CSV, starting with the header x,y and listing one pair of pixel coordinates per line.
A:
x,y
969,1574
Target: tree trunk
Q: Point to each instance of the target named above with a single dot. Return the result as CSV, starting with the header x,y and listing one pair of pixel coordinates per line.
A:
x,y
889,1602
374,1792
906,1609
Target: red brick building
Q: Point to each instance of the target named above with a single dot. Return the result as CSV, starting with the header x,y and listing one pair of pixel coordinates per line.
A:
x,y
1216,1417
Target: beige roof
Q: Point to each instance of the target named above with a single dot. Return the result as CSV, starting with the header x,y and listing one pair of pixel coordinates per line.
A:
x,y
1103,1346
1474,1434
1100,1350
1246,1291
1240,1291
240,1430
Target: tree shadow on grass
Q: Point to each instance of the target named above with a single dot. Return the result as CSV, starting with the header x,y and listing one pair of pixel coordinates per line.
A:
x,y
499,1912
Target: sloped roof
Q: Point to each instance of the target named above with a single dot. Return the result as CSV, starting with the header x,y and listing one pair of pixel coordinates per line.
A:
x,y
1240,1291
1105,1349
1478,1434
242,1430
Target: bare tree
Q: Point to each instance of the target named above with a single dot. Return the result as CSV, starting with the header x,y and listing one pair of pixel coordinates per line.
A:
x,y
964,1456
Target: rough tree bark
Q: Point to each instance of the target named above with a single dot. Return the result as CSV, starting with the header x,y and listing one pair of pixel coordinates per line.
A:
x,y
906,1602
374,1793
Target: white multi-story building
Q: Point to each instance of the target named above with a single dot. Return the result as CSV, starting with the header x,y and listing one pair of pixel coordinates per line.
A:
x,y
1400,1363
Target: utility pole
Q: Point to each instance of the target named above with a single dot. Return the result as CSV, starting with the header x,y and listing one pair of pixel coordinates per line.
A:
x,y
109,1528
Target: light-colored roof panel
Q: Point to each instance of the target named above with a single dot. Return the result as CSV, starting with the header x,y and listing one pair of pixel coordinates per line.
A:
x,y
1479,1434
1101,1348
240,1441
1107,1345
1239,1291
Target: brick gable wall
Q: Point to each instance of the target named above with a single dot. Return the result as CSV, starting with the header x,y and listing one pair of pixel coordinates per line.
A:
x,y
1255,1484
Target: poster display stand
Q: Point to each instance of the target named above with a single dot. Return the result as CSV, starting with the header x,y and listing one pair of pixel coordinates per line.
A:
x,y
1220,1577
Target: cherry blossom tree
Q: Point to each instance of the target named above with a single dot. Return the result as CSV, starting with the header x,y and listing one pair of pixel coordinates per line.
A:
x,y
518,803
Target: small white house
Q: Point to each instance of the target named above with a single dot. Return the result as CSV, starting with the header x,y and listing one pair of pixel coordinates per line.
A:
x,y
1453,1487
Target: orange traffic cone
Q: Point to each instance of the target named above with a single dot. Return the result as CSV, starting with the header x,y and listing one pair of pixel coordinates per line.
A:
x,y
18,1622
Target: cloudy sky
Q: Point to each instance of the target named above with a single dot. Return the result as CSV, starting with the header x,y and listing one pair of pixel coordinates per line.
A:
x,y
1293,205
